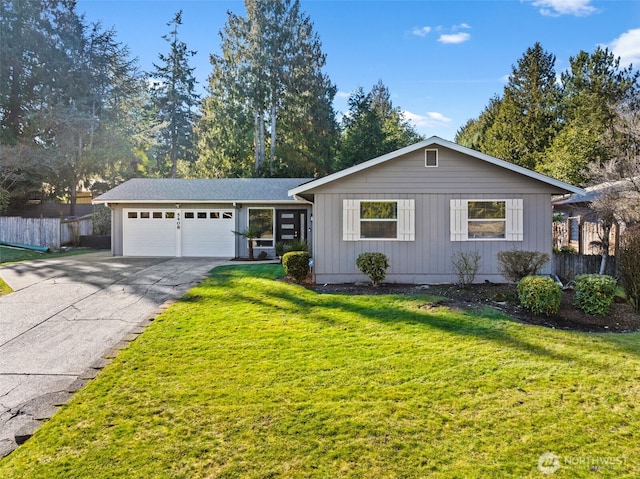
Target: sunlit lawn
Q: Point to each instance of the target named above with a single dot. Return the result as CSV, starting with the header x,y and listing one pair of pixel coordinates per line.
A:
x,y
248,377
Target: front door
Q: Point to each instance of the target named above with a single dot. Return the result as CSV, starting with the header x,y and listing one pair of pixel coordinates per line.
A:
x,y
291,225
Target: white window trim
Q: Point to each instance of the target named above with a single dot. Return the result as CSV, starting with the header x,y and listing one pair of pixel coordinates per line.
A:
x,y
273,225
351,220
459,210
425,158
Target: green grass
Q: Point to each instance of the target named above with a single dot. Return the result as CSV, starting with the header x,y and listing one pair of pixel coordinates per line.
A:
x,y
13,255
4,288
255,378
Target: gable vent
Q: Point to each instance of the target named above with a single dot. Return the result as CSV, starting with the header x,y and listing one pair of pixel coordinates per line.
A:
x,y
431,158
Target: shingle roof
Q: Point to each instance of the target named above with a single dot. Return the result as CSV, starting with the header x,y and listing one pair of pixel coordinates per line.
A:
x,y
205,190
593,192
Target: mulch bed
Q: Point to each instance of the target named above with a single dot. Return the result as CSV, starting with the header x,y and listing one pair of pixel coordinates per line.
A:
x,y
620,319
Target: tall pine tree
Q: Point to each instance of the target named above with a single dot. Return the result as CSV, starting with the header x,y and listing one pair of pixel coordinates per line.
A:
x,y
268,90
175,100
593,91
373,127
527,118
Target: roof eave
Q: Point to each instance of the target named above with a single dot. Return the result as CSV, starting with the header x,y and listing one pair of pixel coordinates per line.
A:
x,y
446,144
98,200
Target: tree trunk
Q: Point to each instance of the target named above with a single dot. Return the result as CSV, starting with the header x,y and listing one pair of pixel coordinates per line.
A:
x,y
256,142
272,156
74,181
259,143
606,232
174,152
261,138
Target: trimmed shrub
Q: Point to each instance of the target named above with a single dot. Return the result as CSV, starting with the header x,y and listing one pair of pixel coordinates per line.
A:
x,y
594,293
539,294
373,265
517,264
629,266
466,266
296,264
295,245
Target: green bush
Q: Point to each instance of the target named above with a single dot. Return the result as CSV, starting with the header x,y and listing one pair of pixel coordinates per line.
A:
x,y
516,264
539,294
295,245
296,264
629,266
373,265
594,293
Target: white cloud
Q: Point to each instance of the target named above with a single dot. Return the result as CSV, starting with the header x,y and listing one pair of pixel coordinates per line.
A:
x,y
454,38
431,120
627,47
555,8
421,31
343,94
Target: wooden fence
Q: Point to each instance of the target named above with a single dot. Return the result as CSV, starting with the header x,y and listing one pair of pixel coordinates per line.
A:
x,y
568,266
50,232
581,235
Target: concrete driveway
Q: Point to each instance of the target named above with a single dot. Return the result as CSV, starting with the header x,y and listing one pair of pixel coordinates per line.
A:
x,y
65,316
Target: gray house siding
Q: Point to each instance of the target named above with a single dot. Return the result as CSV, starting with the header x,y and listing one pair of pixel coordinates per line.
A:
x,y
428,258
455,173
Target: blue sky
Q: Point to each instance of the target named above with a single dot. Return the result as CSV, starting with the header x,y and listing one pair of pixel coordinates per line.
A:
x,y
441,60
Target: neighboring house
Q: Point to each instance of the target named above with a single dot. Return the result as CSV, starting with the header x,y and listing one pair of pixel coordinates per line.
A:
x,y
419,205
423,204
580,228
197,218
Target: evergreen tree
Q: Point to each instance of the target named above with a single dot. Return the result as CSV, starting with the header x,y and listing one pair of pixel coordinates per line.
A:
x,y
527,118
31,71
593,89
267,89
174,99
473,133
62,96
373,127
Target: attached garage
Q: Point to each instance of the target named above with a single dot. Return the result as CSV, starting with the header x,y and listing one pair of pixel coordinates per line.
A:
x,y
164,232
208,233
148,232
197,218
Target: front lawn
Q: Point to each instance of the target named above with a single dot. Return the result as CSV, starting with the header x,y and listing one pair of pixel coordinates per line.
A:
x,y
251,377
9,254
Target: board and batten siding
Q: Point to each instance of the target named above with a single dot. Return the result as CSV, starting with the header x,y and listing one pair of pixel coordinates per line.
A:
x,y
428,258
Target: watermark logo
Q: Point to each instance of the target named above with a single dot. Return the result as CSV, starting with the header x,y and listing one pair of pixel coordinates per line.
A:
x,y
548,463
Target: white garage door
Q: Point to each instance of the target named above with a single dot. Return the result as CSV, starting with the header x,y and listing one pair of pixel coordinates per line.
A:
x,y
195,233
149,232
208,233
